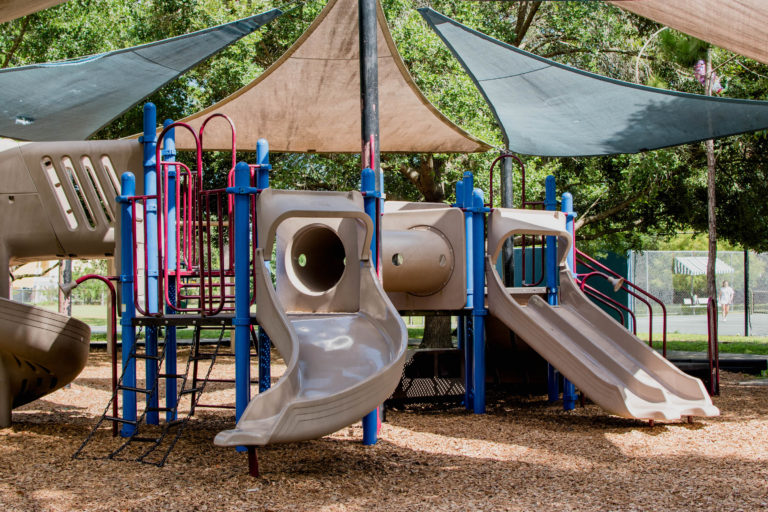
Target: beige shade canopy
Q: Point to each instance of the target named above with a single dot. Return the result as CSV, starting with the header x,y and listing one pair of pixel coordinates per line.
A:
x,y
12,9
736,25
309,100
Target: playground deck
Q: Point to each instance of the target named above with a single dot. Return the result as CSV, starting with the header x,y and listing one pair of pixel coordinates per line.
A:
x,y
522,455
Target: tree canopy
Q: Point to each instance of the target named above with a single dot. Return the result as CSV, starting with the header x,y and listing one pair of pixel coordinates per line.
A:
x,y
626,201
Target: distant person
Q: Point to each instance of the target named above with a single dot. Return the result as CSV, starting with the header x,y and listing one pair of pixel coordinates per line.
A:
x,y
725,297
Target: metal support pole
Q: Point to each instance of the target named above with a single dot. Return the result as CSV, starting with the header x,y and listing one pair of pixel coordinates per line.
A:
x,y
169,155
550,204
370,199
369,106
478,311
149,139
507,197
128,189
569,392
242,320
464,191
369,88
265,345
747,323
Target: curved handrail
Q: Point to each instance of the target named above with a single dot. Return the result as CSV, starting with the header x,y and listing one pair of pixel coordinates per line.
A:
x,y
587,261
614,304
489,204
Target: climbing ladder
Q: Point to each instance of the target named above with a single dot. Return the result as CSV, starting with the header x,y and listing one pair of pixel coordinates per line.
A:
x,y
158,441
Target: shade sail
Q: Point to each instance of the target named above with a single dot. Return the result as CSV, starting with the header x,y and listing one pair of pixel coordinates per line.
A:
x,y
737,25
697,266
12,9
72,99
309,100
549,109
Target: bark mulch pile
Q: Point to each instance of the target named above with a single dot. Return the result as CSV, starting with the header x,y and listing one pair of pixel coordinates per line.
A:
x,y
524,454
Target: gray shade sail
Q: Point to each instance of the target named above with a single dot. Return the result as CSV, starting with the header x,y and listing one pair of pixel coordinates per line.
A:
x,y
309,99
550,109
70,100
697,266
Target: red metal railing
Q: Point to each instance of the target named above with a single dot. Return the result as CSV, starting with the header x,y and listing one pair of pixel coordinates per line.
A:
x,y
713,348
638,293
204,269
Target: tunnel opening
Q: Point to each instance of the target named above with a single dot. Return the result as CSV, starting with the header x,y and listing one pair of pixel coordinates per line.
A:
x,y
318,258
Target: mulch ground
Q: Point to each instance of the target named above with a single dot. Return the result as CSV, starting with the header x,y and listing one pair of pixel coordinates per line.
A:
x,y
524,454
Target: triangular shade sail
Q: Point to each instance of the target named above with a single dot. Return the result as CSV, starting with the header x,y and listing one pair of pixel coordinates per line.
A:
x,y
72,99
309,100
697,266
550,109
12,9
737,25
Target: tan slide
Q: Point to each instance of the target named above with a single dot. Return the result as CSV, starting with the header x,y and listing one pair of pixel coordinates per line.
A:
x,y
40,352
609,364
342,340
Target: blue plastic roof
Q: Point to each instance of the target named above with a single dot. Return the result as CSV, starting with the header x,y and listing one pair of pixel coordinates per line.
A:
x,y
70,100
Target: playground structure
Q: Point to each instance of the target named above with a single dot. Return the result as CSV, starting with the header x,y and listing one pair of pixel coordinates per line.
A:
x,y
329,274
180,252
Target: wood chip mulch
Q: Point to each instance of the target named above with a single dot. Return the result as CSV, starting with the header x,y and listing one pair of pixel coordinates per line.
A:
x,y
524,454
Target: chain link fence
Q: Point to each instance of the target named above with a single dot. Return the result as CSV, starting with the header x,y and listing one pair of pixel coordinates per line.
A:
x,y
678,279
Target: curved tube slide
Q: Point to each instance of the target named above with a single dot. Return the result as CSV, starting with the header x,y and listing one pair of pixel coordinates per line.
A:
x,y
342,340
609,364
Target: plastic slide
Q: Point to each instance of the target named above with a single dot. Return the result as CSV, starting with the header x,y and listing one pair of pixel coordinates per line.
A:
x,y
609,364
342,340
40,352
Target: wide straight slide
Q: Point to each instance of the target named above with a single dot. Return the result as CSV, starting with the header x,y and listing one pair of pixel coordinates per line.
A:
x,y
609,364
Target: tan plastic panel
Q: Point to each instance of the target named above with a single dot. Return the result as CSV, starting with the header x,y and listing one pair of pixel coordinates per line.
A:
x,y
610,365
42,215
423,256
40,352
341,362
84,240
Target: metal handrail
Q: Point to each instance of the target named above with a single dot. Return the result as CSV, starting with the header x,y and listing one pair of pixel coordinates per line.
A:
x,y
581,257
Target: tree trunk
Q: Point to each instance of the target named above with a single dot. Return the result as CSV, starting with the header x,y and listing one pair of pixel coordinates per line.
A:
x,y
437,332
711,167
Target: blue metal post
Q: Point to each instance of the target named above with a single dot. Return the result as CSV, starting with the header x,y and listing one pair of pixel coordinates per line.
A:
x,y
150,188
265,345
478,310
242,320
550,204
370,198
464,200
169,155
128,189
461,333
569,391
